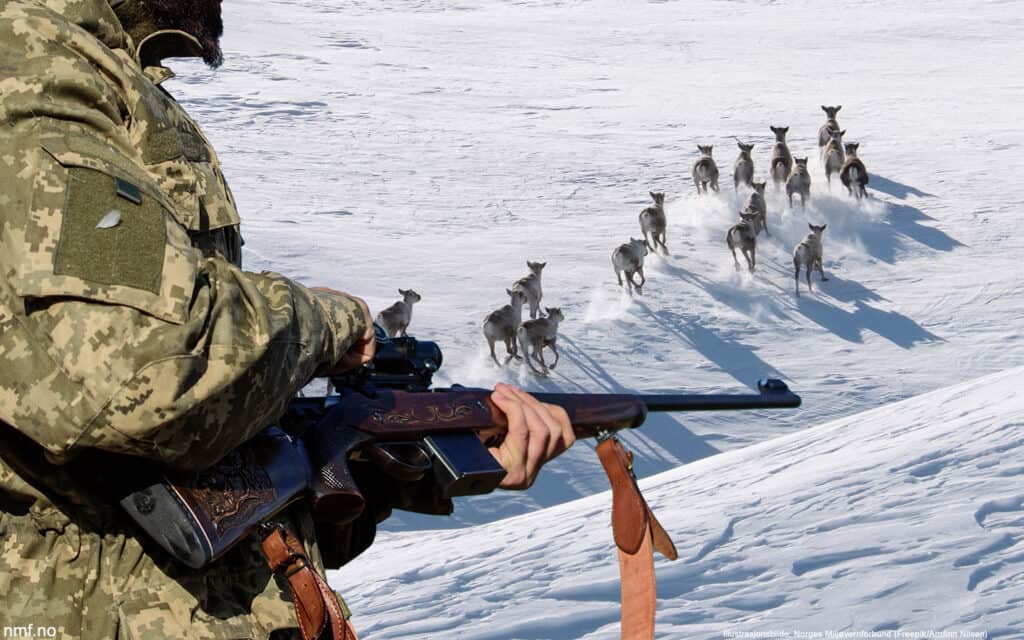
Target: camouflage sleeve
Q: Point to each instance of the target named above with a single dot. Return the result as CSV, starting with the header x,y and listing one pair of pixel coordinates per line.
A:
x,y
115,333
127,339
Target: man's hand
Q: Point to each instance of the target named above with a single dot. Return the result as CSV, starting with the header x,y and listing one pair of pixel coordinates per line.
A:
x,y
363,349
537,432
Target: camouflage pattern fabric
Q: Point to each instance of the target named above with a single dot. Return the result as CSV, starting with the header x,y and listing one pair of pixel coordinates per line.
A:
x,y
127,330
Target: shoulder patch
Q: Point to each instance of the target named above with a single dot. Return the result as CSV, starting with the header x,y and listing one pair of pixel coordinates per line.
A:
x,y
129,253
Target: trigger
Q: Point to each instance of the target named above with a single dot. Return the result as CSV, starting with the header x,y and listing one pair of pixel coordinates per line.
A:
x,y
404,460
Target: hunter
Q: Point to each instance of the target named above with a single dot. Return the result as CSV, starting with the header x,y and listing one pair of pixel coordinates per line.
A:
x,y
131,338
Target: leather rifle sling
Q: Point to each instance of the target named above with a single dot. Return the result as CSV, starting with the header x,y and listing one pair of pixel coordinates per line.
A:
x,y
316,607
637,533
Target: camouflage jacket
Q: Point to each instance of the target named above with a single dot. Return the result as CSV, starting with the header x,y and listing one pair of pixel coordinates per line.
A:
x,y
128,331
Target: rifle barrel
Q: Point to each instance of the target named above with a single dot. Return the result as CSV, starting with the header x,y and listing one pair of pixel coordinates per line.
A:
x,y
774,394
721,402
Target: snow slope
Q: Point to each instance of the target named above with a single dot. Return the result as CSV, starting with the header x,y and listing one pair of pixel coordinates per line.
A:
x,y
438,145
903,518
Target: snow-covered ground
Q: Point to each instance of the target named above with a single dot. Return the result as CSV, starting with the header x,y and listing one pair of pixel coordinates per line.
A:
x,y
440,144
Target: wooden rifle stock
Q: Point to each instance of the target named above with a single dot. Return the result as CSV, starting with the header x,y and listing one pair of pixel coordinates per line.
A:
x,y
197,517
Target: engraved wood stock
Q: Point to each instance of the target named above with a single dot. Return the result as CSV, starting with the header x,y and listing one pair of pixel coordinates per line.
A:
x,y
198,516
401,416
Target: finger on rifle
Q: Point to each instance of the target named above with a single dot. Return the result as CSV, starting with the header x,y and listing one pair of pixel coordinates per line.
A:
x,y
561,417
557,420
512,452
538,440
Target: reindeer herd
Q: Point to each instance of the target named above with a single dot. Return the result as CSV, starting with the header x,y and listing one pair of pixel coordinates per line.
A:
x,y
505,324
836,158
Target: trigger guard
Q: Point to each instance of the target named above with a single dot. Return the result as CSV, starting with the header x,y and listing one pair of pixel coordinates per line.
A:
x,y
405,461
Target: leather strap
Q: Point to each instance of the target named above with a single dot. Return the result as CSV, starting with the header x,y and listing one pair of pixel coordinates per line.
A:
x,y
316,607
637,534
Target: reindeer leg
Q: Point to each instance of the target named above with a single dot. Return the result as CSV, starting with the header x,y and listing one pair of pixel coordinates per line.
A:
x,y
537,355
514,347
796,276
643,279
494,356
529,361
821,270
810,269
555,349
618,275
510,349
539,352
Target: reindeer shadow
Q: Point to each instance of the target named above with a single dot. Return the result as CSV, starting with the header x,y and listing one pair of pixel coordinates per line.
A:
x,y
844,290
732,357
905,219
663,441
894,188
850,325
838,288
736,298
882,237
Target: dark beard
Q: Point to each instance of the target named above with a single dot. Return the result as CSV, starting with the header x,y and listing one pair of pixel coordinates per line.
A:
x,y
198,18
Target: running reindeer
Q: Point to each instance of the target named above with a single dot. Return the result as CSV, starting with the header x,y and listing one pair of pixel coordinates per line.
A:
x,y
755,203
743,168
743,236
831,124
530,285
799,181
854,174
809,255
832,155
653,222
534,335
705,171
396,318
782,159
501,324
629,258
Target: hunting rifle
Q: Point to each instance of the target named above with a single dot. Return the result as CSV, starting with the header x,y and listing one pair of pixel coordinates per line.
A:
x,y
386,414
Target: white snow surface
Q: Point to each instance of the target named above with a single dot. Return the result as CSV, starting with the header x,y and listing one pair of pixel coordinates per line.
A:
x,y
440,144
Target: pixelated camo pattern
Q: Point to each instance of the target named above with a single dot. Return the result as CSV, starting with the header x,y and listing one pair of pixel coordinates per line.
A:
x,y
142,337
